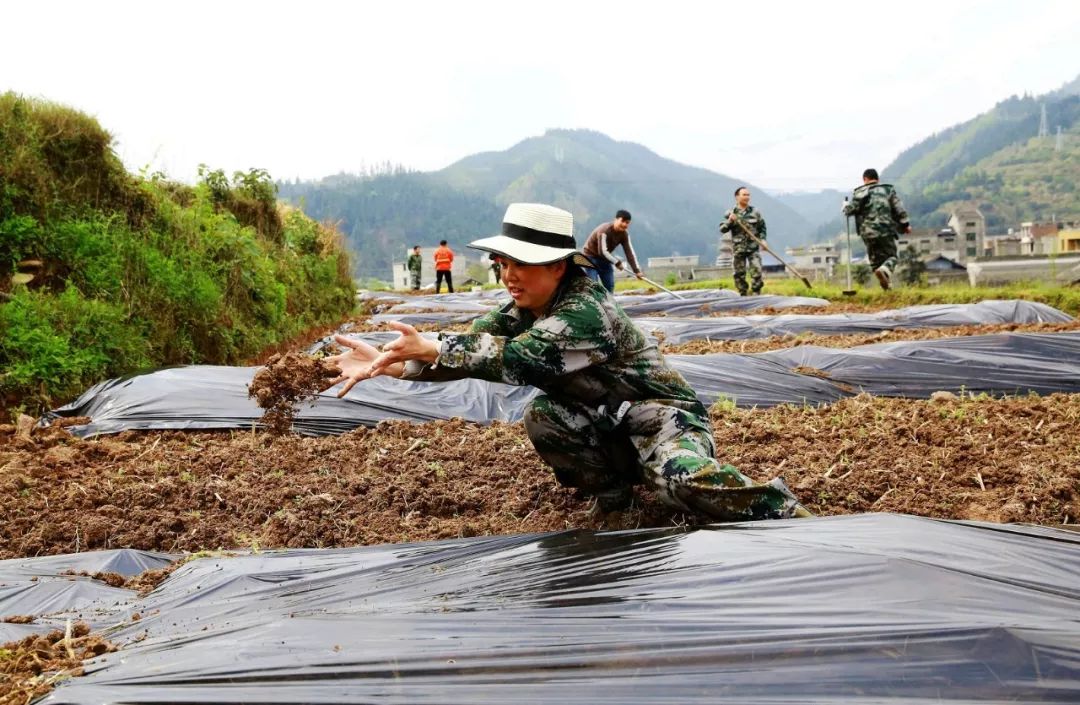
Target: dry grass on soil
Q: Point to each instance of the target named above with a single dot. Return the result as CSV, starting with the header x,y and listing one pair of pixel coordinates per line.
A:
x,y
779,342
30,668
1015,460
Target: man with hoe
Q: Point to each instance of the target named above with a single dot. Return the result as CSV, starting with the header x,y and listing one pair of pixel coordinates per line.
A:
x,y
747,255
611,413
879,219
600,246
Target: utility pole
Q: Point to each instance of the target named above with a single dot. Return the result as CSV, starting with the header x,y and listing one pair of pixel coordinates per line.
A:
x,y
1044,130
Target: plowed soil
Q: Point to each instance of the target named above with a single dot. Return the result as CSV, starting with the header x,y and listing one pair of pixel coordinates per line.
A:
x,y
777,342
31,667
1014,460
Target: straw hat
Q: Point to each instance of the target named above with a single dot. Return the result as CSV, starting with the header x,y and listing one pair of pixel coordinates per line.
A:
x,y
534,233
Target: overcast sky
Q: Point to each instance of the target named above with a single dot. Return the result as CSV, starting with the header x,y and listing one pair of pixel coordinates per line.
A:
x,y
793,96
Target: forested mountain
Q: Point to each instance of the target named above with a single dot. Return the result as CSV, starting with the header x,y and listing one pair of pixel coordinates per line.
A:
x,y
381,215
676,208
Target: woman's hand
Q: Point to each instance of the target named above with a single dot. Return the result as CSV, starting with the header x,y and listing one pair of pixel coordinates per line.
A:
x,y
361,361
410,345
355,363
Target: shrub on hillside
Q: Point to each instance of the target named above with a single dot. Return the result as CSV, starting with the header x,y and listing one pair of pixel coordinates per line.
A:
x,y
167,274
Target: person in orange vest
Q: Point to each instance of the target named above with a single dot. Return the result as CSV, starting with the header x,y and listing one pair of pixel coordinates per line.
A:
x,y
444,261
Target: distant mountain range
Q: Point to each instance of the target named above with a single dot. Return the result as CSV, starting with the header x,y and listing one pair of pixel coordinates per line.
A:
x,y
995,160
676,208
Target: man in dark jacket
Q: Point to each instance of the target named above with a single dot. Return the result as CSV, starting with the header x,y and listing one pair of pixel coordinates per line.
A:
x,y
600,249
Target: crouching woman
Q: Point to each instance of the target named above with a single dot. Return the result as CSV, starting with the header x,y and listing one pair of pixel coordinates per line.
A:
x,y
612,413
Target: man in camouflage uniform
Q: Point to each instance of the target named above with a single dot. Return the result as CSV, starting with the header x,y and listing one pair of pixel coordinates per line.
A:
x,y
879,219
415,262
747,255
612,413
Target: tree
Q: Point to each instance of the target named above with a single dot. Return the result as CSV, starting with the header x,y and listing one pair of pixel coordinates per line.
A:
x,y
861,273
911,266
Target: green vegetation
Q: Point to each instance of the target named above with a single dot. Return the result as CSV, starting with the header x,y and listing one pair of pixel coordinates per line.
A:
x,y
996,161
1063,298
383,214
910,266
103,273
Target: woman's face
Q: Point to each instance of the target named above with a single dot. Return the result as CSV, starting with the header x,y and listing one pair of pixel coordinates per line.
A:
x,y
531,285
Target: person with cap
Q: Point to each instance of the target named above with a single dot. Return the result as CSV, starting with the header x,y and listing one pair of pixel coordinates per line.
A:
x,y
879,220
612,413
600,247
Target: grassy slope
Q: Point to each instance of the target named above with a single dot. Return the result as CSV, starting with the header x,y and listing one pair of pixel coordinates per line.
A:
x,y
103,273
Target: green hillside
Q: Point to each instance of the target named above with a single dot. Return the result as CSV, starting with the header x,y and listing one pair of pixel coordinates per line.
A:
x,y
1027,181
676,208
103,273
996,161
381,215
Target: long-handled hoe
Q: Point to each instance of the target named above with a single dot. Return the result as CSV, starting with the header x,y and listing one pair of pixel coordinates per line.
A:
x,y
761,242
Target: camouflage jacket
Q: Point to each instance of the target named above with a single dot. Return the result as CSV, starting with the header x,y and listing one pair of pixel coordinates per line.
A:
x,y
752,218
586,350
877,210
415,262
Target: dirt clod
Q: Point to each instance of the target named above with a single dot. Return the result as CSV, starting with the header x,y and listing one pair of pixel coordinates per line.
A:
x,y
287,380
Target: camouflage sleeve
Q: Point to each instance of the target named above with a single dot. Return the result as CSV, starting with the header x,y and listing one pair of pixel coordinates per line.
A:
x,y
560,344
899,214
724,224
761,226
855,204
495,322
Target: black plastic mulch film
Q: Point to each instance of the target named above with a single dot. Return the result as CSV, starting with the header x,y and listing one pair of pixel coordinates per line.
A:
x,y
208,397
858,609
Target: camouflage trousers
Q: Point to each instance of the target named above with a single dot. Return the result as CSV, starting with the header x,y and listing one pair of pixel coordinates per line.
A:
x,y
745,262
414,279
881,251
669,449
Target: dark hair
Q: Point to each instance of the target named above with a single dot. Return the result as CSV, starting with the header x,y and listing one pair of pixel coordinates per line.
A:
x,y
740,189
870,174
442,242
625,215
415,247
